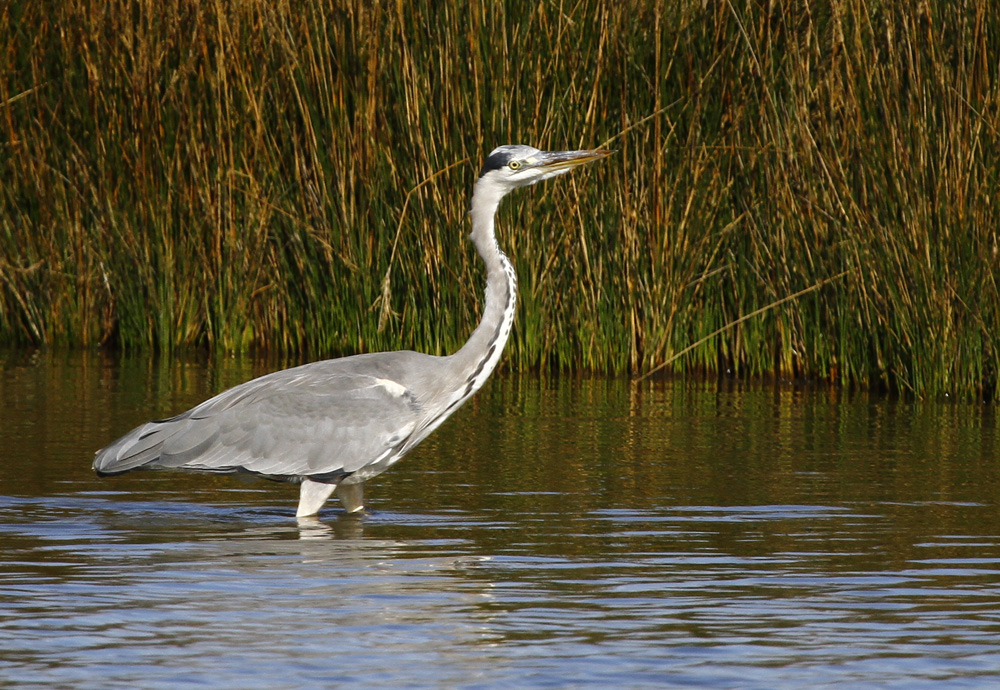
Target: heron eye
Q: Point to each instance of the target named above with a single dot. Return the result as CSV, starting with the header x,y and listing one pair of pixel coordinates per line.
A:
x,y
514,165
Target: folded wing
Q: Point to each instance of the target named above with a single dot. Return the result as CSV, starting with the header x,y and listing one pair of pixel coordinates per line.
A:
x,y
304,422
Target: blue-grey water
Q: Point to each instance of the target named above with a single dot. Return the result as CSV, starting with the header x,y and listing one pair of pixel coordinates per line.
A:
x,y
556,533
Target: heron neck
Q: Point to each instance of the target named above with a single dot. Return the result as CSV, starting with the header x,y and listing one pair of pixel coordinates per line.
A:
x,y
479,356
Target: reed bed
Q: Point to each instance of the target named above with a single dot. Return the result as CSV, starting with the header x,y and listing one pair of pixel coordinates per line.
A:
x,y
802,190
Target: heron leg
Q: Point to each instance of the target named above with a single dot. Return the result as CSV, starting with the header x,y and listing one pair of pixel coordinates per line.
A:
x,y
352,496
312,496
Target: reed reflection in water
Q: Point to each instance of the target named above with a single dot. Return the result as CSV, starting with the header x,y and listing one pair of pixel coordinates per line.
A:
x,y
556,533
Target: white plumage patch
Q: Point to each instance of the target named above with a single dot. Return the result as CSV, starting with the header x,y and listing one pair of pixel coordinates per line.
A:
x,y
395,389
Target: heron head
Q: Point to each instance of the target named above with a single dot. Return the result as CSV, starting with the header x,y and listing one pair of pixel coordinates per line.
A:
x,y
514,166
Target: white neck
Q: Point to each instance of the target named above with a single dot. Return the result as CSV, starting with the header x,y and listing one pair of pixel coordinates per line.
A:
x,y
479,356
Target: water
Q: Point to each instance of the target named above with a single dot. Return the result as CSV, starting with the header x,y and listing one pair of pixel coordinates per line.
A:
x,y
556,533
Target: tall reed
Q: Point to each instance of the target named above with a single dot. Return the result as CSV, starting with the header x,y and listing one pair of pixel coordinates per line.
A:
x,y
234,174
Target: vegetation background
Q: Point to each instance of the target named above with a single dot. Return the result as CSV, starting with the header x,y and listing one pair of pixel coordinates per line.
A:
x,y
802,189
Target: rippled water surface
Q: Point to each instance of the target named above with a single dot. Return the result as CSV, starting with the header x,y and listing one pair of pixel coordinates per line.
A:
x,y
556,533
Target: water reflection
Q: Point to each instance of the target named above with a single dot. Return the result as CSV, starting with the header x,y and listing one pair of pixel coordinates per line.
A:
x,y
568,533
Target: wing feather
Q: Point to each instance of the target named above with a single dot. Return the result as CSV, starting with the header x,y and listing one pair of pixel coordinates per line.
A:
x,y
314,420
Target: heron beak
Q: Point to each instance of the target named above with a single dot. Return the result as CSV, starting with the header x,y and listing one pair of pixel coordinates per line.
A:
x,y
553,161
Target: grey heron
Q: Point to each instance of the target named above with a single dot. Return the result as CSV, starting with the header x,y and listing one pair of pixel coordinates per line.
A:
x,y
333,425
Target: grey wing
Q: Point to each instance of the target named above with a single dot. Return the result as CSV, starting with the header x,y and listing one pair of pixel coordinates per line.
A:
x,y
286,425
